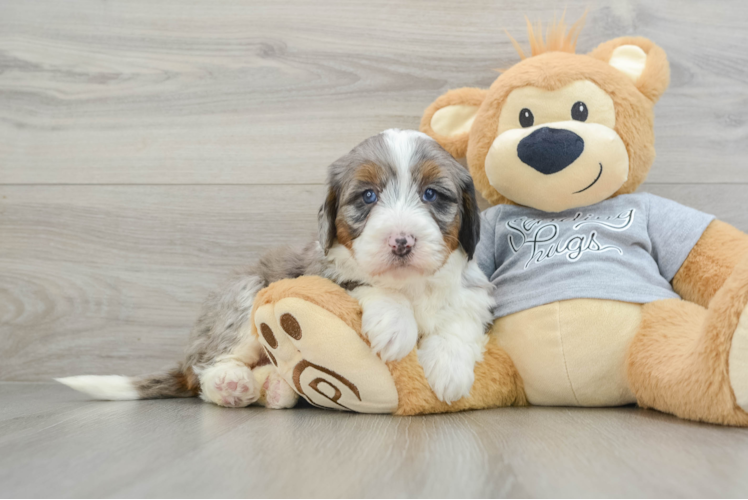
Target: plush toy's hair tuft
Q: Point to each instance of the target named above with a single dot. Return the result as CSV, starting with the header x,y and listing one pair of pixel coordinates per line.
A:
x,y
557,39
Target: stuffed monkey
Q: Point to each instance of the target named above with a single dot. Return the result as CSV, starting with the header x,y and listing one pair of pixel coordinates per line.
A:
x,y
604,296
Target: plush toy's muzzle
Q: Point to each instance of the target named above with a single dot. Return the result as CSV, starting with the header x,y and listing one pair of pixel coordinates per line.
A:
x,y
559,165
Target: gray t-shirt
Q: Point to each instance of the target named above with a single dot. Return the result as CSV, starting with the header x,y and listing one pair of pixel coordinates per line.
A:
x,y
627,248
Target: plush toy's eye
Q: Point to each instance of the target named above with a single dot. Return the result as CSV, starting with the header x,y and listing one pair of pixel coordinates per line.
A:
x,y
579,111
429,195
369,196
526,119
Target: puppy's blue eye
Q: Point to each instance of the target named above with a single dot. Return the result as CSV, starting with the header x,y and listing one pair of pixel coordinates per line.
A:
x,y
370,196
429,195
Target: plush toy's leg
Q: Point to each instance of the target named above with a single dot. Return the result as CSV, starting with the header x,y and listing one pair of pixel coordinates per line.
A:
x,y
310,329
693,362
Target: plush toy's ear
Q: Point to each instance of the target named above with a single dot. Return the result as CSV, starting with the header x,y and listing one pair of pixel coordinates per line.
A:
x,y
639,59
449,118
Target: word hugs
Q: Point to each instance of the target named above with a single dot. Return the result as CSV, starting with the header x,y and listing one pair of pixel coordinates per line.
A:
x,y
571,237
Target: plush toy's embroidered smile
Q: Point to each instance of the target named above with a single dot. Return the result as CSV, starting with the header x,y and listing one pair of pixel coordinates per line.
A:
x,y
593,182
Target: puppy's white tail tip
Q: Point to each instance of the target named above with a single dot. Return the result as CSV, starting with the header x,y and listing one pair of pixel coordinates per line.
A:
x,y
108,387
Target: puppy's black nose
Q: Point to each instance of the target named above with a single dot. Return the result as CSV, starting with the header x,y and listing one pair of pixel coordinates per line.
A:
x,y
401,245
550,150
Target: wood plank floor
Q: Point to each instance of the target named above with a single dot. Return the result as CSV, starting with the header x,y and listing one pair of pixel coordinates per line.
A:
x,y
54,442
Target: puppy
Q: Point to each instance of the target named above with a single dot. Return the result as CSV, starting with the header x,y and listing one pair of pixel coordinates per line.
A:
x,y
398,229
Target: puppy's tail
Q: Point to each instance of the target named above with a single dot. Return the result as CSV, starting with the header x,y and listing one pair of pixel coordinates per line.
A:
x,y
177,383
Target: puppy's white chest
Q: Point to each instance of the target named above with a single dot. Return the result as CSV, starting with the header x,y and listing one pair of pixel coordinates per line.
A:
x,y
430,310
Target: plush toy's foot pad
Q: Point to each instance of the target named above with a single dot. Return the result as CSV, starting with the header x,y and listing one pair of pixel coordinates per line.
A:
x,y
738,362
321,356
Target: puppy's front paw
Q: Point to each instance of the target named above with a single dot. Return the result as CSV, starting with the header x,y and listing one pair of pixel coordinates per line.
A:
x,y
275,393
449,368
390,327
230,384
278,394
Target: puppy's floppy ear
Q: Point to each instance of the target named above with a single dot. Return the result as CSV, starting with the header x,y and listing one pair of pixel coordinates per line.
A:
x,y
640,60
469,216
328,212
449,118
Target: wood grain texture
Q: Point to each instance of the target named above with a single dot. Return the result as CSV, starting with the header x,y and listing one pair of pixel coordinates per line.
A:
x,y
102,278
108,279
147,148
271,92
56,443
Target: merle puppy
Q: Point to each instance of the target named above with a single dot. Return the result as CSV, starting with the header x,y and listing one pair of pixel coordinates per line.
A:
x,y
398,229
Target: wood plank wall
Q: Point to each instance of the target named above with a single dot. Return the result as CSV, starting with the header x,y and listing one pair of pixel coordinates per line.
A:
x,y
148,147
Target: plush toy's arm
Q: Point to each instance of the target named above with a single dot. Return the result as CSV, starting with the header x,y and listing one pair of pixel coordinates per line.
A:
x,y
710,262
310,329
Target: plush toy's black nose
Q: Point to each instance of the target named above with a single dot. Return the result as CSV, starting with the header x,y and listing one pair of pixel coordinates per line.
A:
x,y
550,150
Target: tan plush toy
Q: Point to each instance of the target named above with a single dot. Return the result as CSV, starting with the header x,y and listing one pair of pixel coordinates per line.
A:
x,y
605,296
